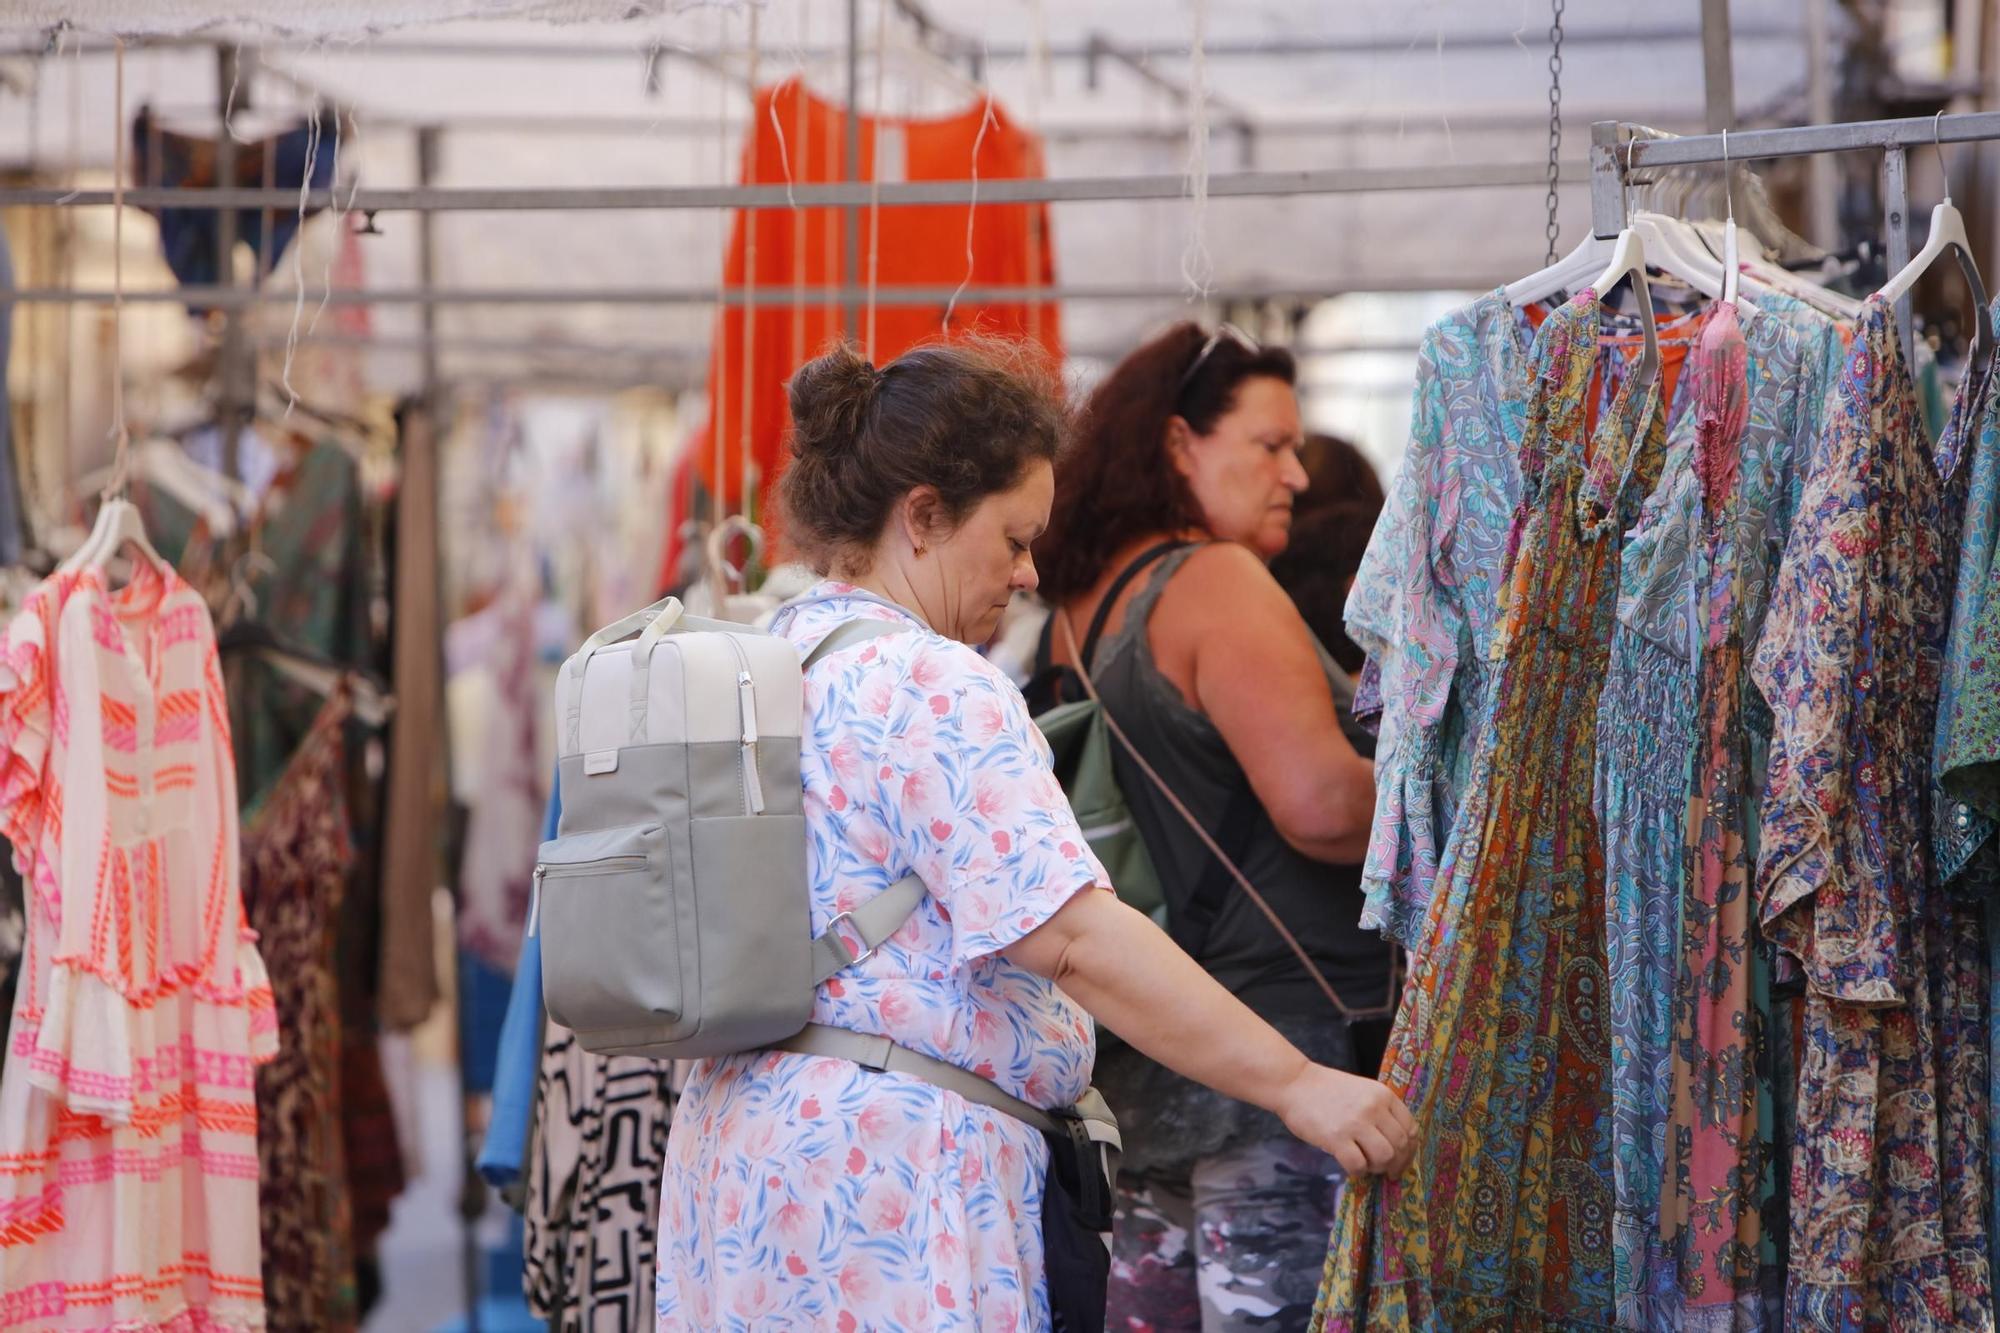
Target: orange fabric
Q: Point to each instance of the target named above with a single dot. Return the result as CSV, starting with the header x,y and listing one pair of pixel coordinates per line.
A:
x,y
798,132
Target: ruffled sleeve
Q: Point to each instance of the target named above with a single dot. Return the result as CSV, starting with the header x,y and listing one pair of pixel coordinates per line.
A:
x,y
27,723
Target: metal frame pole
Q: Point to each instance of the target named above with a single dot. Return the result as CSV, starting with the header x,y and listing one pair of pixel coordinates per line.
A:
x,y
856,194
1896,233
1718,71
428,149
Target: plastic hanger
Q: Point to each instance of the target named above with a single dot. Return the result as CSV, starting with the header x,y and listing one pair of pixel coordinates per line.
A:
x,y
1732,268
119,526
1628,262
1948,233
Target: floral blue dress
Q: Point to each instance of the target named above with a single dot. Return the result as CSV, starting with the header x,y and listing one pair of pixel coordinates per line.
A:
x,y
1425,600
805,1193
1673,752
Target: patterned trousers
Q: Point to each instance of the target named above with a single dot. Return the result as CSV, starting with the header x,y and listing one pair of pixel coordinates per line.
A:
x,y
1234,1246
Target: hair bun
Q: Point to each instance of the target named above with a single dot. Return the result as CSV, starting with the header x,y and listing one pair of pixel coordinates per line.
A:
x,y
831,396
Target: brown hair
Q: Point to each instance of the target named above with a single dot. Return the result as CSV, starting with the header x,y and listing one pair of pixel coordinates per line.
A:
x,y
1118,484
1335,518
965,418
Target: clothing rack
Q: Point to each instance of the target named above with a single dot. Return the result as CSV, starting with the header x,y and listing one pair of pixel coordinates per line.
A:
x,y
1619,151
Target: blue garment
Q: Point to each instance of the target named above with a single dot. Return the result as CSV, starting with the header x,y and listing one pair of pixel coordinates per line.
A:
x,y
189,236
519,1058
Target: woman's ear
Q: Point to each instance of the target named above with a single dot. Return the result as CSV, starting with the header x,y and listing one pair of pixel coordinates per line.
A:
x,y
1180,445
922,514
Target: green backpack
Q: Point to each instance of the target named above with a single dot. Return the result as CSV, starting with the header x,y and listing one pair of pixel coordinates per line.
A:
x,y
1079,732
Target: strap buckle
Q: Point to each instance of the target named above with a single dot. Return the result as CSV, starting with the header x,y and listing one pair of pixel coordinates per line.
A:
x,y
840,937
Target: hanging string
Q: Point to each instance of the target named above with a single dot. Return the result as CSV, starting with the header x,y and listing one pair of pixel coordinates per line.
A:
x,y
1037,214
799,218
229,102
718,406
337,231
875,176
314,134
121,438
972,207
1196,267
751,290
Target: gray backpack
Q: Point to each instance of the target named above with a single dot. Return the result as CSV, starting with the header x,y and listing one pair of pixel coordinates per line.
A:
x,y
673,906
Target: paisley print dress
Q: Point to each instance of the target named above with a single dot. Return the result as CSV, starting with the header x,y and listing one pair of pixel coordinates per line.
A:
x,y
1888,1181
1423,602
807,1193
1688,995
1504,1219
1968,739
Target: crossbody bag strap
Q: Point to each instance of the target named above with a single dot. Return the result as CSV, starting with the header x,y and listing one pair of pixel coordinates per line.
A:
x,y
1140,563
1340,1006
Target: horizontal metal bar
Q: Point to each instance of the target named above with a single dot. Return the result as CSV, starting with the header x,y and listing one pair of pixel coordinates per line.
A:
x,y
836,194
236,298
1220,49
1913,132
679,353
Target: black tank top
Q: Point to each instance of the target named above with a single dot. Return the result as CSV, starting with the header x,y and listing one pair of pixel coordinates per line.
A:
x,y
1319,903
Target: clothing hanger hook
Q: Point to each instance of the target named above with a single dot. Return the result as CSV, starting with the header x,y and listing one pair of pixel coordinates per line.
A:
x,y
1937,142
1728,179
1624,189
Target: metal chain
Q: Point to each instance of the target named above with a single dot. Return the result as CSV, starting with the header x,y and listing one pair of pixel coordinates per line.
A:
x,y
1555,118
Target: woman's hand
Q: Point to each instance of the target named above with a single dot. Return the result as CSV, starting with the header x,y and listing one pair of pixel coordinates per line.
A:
x,y
1363,1125
1136,981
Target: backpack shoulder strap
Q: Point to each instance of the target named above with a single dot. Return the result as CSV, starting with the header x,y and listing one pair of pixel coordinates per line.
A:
x,y
853,632
873,922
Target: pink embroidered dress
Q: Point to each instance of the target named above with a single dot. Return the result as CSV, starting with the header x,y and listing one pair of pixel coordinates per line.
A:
x,y
811,1194
128,1123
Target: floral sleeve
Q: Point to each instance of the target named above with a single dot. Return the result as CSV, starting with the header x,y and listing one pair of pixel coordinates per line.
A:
x,y
974,805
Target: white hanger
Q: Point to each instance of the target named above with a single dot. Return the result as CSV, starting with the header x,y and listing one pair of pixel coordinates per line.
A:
x,y
1628,260
1565,275
218,501
1948,233
118,526
1731,268
369,704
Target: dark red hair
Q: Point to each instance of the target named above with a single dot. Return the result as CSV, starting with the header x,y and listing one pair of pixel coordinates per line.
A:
x,y
1116,484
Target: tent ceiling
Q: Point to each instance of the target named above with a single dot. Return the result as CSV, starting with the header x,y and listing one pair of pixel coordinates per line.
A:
x,y
658,100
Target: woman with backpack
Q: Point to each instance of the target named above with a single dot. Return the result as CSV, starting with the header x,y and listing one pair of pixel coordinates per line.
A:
x,y
872,1177
1177,495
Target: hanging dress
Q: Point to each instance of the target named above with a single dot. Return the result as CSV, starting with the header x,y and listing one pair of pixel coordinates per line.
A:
x,y
128,1123
296,855
1688,1103
1423,604
1501,1047
1888,1183
1967,802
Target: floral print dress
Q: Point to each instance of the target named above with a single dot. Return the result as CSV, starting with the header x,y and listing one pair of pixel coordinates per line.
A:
x,y
1424,601
1501,1046
1688,1105
812,1194
1888,1183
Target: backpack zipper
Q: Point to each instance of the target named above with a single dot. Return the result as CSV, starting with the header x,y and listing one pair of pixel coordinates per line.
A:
x,y
603,865
746,713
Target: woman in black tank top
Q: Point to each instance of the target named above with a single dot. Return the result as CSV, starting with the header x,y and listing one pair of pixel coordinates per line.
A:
x,y
1178,492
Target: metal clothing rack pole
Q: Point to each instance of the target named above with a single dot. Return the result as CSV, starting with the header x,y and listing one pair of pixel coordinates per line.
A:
x,y
1614,155
836,194
219,298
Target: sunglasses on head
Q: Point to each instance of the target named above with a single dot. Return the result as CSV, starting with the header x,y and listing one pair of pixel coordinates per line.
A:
x,y
1222,331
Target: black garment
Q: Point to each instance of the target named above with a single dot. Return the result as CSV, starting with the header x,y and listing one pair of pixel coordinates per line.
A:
x,y
1169,1121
